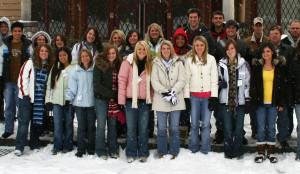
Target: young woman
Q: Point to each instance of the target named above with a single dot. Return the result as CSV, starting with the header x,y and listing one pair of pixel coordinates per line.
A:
x,y
234,84
118,39
294,92
91,41
81,92
202,88
133,36
59,41
268,94
105,93
39,38
57,86
154,37
168,80
32,86
134,94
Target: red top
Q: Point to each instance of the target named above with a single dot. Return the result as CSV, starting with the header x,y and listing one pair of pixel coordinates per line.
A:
x,y
201,94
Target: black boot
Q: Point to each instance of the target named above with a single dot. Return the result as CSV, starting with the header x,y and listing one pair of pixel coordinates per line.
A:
x,y
219,137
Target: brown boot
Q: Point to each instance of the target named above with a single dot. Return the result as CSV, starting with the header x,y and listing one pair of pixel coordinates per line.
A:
x,y
261,153
183,134
270,154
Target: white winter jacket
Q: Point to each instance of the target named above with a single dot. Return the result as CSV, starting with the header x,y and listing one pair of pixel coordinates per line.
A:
x,y
201,78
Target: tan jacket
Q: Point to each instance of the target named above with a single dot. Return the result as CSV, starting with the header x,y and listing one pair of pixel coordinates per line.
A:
x,y
162,82
252,44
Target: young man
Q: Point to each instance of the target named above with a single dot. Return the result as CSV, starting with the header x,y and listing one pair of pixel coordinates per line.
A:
x,y
218,28
197,28
14,52
258,37
293,35
285,116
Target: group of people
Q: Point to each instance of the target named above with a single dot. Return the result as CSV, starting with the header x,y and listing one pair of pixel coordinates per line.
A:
x,y
181,83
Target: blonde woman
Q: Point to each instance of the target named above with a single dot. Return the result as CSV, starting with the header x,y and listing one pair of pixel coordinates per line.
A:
x,y
168,80
118,39
202,89
154,37
134,95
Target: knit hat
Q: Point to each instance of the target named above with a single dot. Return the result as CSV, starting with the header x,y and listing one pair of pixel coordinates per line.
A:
x,y
232,22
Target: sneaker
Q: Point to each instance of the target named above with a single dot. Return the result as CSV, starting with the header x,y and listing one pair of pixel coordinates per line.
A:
x,y
79,154
130,159
284,144
54,152
143,159
173,157
5,135
104,157
18,153
115,156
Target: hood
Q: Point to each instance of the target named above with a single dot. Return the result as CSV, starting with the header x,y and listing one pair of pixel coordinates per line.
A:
x,y
279,60
130,58
39,33
241,61
176,48
79,68
7,21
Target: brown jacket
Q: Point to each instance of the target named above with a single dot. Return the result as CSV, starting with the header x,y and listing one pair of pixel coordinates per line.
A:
x,y
252,44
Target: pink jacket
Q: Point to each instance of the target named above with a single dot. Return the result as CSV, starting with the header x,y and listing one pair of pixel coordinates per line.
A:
x,y
125,82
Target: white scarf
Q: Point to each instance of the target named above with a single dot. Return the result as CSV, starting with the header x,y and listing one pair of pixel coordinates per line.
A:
x,y
135,86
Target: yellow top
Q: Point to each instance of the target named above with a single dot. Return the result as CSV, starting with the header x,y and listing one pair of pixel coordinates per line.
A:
x,y
268,78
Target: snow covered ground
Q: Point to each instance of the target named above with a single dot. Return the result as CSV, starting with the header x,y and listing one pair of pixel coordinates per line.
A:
x,y
36,162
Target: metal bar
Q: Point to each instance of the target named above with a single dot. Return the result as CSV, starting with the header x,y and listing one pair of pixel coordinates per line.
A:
x,y
278,7
169,19
111,17
47,16
68,17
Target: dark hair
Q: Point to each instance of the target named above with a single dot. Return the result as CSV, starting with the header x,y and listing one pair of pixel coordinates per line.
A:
x,y
58,66
130,33
267,45
102,61
218,12
37,60
276,27
63,38
194,10
227,43
16,24
97,43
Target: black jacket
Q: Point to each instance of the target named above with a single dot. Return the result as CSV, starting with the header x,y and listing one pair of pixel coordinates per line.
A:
x,y
7,55
286,51
294,82
279,96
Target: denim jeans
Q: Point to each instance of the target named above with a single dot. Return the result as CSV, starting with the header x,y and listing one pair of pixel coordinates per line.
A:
x,y
11,92
101,107
86,129
162,136
253,121
200,113
219,119
283,123
184,119
266,120
63,128
137,133
297,109
233,130
291,121
23,123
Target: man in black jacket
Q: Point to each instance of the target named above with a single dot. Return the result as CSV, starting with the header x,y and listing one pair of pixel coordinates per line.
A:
x,y
293,35
285,117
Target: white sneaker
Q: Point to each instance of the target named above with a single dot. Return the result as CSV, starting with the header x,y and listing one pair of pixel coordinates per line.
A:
x,y
130,159
18,153
104,157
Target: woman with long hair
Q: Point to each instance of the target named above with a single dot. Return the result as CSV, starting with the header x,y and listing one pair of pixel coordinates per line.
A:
x,y
134,95
268,97
32,86
106,104
154,37
55,99
81,93
118,39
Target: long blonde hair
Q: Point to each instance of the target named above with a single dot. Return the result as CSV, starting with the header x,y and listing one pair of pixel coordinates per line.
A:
x,y
122,36
193,52
155,25
168,43
148,66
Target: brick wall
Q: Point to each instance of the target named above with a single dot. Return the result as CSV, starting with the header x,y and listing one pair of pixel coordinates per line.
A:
x,y
11,9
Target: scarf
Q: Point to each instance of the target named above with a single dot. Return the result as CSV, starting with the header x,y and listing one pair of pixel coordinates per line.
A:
x,y
232,86
167,64
135,84
113,109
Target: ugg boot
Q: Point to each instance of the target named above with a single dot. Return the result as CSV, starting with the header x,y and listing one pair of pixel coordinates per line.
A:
x,y
270,154
183,134
261,153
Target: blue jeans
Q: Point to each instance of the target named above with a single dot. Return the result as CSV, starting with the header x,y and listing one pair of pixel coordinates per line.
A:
x,y
162,136
86,129
297,109
253,121
101,107
11,92
283,123
266,120
63,128
23,123
200,113
137,132
233,130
